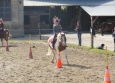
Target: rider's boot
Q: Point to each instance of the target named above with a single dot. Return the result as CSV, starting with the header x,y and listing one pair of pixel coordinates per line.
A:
x,y
3,32
53,43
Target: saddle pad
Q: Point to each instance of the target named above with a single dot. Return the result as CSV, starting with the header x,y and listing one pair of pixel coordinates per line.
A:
x,y
51,40
3,31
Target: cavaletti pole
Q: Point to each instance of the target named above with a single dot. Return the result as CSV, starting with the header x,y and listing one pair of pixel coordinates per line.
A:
x,y
107,74
106,56
30,53
7,47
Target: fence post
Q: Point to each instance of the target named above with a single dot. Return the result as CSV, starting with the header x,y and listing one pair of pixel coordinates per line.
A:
x,y
92,39
39,33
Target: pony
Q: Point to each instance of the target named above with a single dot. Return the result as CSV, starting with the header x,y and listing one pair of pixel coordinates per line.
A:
x,y
60,45
107,26
5,35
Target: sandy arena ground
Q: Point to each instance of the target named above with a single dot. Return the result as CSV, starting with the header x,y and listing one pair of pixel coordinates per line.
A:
x,y
85,67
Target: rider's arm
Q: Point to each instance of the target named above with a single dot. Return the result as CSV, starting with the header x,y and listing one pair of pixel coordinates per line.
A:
x,y
60,26
55,29
2,25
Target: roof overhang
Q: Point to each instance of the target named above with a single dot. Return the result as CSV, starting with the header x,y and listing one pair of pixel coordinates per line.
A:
x,y
40,3
92,7
67,2
100,10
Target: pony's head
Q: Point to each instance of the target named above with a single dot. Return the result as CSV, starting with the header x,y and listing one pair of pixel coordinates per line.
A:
x,y
62,38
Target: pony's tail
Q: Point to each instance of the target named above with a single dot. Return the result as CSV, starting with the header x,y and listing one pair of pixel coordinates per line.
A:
x,y
49,51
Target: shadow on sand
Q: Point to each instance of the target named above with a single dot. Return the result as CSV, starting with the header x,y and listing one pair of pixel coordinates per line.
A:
x,y
9,46
79,66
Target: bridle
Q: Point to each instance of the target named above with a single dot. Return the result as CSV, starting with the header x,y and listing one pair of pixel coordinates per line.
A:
x,y
63,39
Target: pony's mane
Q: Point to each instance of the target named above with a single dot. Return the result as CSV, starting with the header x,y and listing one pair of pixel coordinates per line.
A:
x,y
59,35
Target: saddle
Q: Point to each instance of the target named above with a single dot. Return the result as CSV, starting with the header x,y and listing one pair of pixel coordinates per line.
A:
x,y
3,31
51,40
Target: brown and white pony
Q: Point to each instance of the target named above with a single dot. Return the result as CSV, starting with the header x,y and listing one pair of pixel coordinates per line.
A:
x,y
105,26
60,45
5,36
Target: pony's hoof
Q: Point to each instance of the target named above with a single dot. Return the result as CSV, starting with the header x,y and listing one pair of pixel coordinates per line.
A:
x,y
33,47
52,61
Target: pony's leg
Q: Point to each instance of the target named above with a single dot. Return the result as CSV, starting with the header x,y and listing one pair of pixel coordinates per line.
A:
x,y
2,41
57,51
65,53
53,51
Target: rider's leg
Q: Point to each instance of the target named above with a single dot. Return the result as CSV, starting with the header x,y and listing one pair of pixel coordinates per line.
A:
x,y
2,30
53,44
53,41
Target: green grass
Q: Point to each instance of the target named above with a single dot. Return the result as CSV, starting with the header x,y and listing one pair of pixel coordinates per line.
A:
x,y
91,49
74,46
27,40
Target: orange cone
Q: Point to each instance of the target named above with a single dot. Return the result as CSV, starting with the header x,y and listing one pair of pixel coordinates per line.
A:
x,y
7,48
59,63
30,53
107,76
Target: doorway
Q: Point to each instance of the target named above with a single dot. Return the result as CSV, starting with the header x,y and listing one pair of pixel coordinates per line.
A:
x,y
31,24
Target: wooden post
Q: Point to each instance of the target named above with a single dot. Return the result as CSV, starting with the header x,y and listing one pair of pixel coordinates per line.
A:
x,y
40,33
92,39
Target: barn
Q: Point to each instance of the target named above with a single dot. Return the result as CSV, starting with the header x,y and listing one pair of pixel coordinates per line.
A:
x,y
11,11
68,11
26,16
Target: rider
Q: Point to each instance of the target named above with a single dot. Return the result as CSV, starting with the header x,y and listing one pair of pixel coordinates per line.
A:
x,y
57,29
54,21
2,25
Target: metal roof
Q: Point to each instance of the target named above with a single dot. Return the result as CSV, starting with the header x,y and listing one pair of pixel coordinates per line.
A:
x,y
100,10
67,2
92,7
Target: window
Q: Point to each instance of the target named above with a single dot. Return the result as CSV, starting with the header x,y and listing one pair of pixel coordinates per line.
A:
x,y
44,18
5,10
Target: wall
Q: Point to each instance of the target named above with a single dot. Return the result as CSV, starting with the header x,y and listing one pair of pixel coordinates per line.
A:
x,y
85,21
16,24
68,15
33,16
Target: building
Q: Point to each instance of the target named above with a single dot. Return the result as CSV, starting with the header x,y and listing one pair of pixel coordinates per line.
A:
x,y
11,11
70,11
26,16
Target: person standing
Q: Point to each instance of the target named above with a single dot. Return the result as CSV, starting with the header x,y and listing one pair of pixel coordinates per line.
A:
x,y
79,32
113,35
93,31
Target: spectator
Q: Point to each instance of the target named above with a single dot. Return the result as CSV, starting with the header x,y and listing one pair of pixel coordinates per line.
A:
x,y
93,31
113,35
79,32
